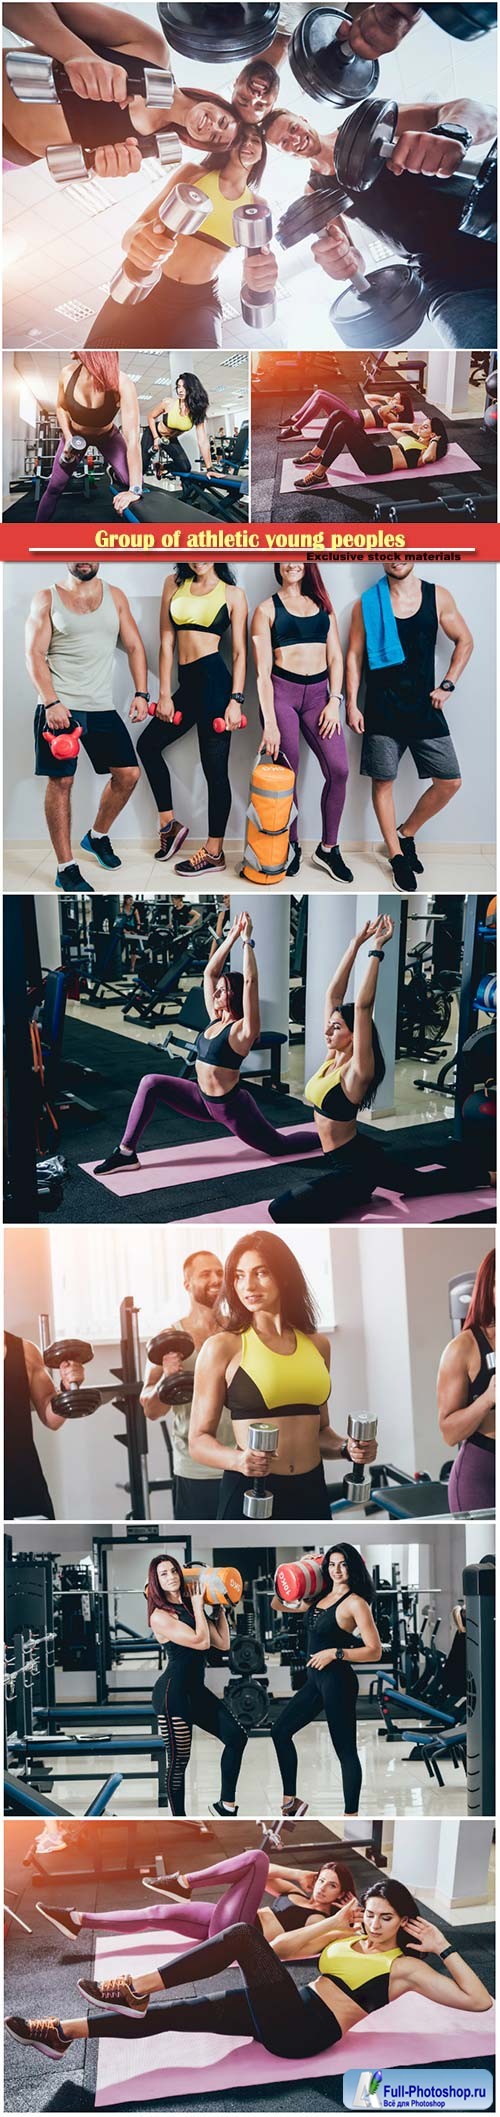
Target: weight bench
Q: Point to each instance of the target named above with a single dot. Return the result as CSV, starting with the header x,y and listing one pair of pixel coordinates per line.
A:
x,y
152,1003
411,2031
20,1800
33,1747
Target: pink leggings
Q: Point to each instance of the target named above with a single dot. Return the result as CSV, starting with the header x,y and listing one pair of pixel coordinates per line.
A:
x,y
245,1878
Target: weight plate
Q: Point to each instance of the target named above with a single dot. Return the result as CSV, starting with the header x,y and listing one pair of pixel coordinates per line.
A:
x,y
77,1403
68,1349
222,33
361,143
310,214
464,22
169,1341
388,314
175,1389
479,216
325,70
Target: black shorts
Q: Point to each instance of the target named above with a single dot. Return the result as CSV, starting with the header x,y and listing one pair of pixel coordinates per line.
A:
x,y
104,736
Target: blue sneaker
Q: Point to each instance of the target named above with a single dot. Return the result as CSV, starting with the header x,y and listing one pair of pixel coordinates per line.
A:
x,y
70,879
101,848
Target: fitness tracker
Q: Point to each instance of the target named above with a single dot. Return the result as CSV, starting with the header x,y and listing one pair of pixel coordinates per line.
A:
x,y
446,684
447,1951
345,1452
454,132
339,1654
239,696
339,695
143,694
52,702
248,943
377,952
137,492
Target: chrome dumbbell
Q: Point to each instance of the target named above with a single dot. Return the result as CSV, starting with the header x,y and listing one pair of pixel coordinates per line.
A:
x,y
181,214
358,1484
257,1501
252,229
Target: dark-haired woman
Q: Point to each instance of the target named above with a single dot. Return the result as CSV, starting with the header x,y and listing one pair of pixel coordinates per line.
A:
x,y
341,1636
97,75
93,391
184,306
272,1364
178,415
466,1399
180,1697
357,1976
217,1097
200,606
406,447
344,1084
304,1896
377,411
298,658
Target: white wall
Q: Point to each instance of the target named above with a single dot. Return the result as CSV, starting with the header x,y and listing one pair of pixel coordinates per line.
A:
x,y
469,819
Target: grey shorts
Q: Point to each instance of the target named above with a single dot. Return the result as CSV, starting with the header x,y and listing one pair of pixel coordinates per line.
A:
x,y
433,755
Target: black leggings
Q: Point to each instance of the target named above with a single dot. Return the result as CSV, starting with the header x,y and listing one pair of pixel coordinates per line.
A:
x,y
172,315
341,431
345,1180
180,1711
290,2021
333,1690
203,696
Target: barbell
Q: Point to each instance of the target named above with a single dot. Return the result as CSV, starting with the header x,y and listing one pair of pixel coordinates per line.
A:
x,y
219,33
328,70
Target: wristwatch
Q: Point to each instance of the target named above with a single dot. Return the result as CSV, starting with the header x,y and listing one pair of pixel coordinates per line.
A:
x,y
377,952
446,684
248,943
143,694
454,132
339,1654
239,696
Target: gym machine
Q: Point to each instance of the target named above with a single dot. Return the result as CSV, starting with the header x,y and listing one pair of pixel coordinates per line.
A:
x,y
81,1402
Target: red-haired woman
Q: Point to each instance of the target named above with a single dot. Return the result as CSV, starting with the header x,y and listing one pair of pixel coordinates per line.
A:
x,y
181,1699
299,666
466,1399
92,392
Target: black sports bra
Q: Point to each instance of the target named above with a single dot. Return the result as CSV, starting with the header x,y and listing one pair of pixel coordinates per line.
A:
x,y
93,418
323,1629
290,631
217,1051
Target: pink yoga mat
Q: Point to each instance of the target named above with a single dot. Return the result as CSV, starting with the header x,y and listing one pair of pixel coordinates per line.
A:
x,y
385,1206
346,472
207,1159
412,2031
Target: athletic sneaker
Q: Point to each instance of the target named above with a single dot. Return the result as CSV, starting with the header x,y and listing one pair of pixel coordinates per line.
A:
x,y
116,1992
176,1888
403,876
295,1809
217,1808
288,432
333,863
201,863
294,860
172,836
44,2036
69,879
64,1920
101,848
115,1161
409,853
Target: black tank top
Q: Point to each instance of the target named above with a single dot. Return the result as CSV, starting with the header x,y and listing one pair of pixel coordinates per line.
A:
x,y
93,419
26,1492
292,1915
290,631
323,1629
477,1389
99,124
422,220
397,699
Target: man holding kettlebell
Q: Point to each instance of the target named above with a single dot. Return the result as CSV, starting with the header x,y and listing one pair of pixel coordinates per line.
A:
x,y
196,1489
72,634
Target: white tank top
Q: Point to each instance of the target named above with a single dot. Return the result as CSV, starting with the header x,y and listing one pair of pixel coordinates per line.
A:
x,y
178,1422
81,653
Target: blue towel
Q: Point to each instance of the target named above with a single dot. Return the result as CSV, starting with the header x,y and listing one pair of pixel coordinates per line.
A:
x,y
383,644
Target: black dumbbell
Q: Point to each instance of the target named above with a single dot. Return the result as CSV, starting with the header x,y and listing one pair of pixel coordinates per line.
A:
x,y
252,229
326,67
75,1402
466,23
173,1389
181,213
219,33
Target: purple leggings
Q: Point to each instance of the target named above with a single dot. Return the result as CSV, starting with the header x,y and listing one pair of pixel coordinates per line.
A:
x,y
298,702
322,401
244,1880
237,1111
111,446
471,1482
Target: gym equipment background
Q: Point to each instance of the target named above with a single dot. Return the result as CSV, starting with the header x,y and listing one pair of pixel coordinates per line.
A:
x,y
384,1301
100,1867
82,1662
31,435
460,387
459,843
63,244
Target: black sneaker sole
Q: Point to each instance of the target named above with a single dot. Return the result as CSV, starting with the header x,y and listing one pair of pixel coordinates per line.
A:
x,y
52,1921
180,838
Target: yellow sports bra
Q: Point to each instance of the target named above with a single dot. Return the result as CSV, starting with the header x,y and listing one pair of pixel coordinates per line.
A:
x,y
326,1092
219,227
339,1960
296,1383
179,422
201,613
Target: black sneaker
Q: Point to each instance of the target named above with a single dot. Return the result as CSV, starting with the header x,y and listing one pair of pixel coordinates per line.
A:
x,y
403,876
201,863
410,854
64,1920
294,859
69,879
101,848
294,1809
333,863
171,1887
116,1161
172,836
116,1992
217,1808
44,2036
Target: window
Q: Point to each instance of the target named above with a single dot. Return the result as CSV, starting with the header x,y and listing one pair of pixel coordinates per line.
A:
x,y
93,1268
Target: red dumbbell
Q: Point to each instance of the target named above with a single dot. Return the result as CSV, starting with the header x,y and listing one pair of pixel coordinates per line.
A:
x,y
65,745
220,726
152,709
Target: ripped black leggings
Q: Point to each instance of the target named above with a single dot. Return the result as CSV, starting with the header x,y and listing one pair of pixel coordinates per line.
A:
x,y
290,2021
179,1709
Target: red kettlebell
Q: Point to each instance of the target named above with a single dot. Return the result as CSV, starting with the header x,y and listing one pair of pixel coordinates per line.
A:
x,y
220,726
176,720
65,745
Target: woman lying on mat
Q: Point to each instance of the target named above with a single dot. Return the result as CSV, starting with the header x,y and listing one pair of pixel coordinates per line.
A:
x,y
376,412
217,1097
299,1896
270,1364
358,1975
345,1083
92,392
409,446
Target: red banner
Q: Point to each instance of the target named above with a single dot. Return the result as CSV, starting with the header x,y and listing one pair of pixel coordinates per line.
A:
x,y
431,541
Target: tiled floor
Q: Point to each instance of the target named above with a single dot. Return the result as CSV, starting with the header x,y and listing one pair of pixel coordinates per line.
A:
x,y
29,866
